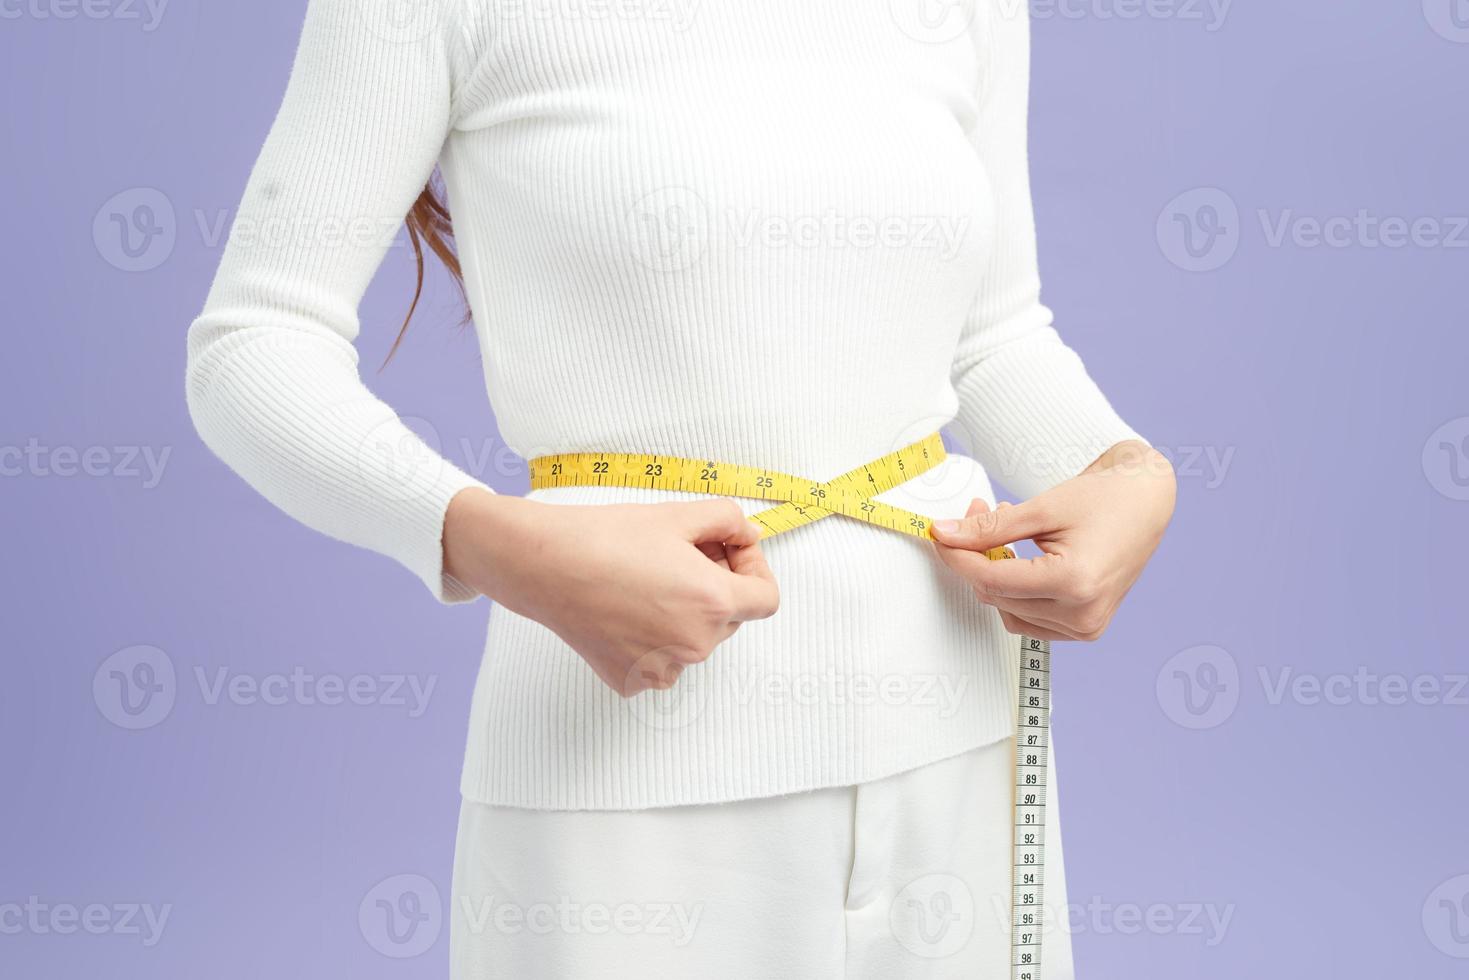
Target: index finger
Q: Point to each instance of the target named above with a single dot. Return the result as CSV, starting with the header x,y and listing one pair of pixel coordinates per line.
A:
x,y
1015,578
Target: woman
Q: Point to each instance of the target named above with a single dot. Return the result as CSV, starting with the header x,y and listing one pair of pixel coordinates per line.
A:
x,y
794,236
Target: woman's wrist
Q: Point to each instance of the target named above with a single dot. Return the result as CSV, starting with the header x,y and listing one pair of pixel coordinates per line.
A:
x,y
482,530
1132,455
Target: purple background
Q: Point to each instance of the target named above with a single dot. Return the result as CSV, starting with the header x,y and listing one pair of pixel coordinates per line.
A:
x,y
1325,538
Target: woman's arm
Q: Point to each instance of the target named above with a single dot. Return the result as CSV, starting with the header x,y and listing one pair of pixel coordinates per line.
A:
x,y
1027,407
273,384
274,389
1100,497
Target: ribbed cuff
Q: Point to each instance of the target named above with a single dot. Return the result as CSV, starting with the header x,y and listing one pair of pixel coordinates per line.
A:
x,y
1034,417
424,554
292,417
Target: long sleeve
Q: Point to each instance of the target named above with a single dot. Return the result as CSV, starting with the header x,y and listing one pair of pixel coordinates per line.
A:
x,y
1031,413
272,380
775,233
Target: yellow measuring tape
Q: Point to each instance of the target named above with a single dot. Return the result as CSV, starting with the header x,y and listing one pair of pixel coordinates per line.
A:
x,y
802,501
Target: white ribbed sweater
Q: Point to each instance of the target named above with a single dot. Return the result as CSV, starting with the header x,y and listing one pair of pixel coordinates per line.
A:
x,y
787,233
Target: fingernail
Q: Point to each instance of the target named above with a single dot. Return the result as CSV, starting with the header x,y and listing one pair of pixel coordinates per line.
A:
x,y
946,527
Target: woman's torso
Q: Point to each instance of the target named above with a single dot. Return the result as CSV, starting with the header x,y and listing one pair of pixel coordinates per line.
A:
x,y
749,231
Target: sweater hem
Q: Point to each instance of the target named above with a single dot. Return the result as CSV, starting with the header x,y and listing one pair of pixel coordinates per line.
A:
x,y
614,800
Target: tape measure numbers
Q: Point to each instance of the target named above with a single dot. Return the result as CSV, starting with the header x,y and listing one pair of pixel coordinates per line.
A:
x,y
1032,748
802,501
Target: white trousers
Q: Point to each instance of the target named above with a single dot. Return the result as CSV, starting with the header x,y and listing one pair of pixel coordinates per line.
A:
x,y
907,876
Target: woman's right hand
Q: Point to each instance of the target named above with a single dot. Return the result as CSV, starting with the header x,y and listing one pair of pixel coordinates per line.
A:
x,y
640,591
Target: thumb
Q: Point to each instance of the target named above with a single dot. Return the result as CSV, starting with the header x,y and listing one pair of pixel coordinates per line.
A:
x,y
982,528
719,521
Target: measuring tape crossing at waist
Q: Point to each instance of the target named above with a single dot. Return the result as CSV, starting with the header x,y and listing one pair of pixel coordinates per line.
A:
x,y
802,500
852,494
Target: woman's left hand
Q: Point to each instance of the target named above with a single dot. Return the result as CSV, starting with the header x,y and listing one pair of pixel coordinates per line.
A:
x,y
1097,531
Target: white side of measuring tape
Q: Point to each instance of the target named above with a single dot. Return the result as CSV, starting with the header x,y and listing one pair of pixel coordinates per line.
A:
x,y
1032,747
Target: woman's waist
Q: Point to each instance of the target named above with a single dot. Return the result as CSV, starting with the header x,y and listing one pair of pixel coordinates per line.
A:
x,y
877,652
852,594
943,490
860,611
